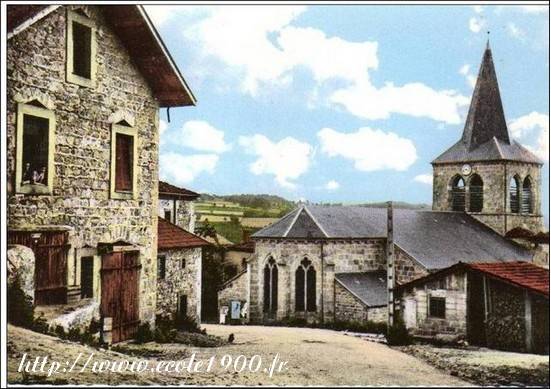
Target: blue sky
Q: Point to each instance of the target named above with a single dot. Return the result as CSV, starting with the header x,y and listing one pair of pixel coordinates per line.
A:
x,y
342,103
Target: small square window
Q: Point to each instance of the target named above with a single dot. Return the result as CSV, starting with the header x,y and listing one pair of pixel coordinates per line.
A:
x,y
35,145
183,263
168,215
161,267
437,307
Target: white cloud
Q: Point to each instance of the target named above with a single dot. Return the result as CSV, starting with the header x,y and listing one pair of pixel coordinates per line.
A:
x,y
263,48
369,149
478,9
476,24
180,170
534,9
515,31
525,126
414,99
163,125
465,70
332,185
287,159
424,178
200,135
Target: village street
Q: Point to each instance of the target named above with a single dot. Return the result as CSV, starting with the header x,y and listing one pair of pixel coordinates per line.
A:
x,y
315,357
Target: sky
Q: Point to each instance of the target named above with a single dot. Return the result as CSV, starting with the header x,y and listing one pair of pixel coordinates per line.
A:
x,y
342,103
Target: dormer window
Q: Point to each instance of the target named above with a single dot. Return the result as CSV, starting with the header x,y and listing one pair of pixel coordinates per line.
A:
x,y
81,49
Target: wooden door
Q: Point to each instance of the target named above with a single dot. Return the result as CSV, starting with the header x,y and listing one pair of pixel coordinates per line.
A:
x,y
50,271
119,293
87,277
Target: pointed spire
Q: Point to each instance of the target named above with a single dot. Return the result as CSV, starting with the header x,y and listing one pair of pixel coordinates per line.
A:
x,y
485,119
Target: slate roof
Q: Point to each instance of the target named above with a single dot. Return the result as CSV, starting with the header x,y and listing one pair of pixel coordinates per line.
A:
x,y
170,236
521,274
485,135
435,239
173,191
368,287
140,38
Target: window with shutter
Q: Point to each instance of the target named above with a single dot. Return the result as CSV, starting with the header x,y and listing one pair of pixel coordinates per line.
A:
x,y
161,267
123,161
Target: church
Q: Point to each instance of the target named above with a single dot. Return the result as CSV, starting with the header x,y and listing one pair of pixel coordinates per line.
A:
x,y
341,263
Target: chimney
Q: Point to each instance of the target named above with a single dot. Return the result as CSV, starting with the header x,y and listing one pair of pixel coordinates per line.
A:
x,y
390,262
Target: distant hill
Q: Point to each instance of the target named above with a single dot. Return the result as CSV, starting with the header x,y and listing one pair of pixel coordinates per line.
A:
x,y
261,201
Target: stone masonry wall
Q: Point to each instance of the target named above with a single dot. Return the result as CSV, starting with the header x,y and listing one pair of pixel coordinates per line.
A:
x,y
347,306
496,212
180,281
80,199
454,325
338,257
407,269
235,289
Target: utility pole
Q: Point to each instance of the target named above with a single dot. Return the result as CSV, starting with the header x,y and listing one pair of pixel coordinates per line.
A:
x,y
390,262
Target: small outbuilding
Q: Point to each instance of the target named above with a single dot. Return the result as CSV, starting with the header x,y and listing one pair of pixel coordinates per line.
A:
x,y
502,305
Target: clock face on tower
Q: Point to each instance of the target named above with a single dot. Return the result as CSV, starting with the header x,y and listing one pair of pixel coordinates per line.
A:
x,y
466,169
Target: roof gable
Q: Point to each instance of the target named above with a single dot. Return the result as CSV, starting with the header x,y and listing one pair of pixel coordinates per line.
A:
x,y
169,190
138,35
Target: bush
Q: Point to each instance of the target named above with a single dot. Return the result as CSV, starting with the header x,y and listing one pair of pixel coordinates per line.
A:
x,y
20,306
144,333
187,324
398,334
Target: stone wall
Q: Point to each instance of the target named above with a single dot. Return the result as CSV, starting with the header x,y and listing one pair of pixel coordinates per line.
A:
x,y
183,212
348,307
180,281
407,269
339,256
496,212
505,327
234,289
416,315
81,187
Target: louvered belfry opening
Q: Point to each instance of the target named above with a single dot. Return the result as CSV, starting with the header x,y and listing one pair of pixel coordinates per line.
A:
x,y
458,194
476,194
123,163
305,287
526,200
514,195
270,286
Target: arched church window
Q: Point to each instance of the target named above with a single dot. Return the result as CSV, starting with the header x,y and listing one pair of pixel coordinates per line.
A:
x,y
458,194
526,199
514,194
305,287
270,286
476,194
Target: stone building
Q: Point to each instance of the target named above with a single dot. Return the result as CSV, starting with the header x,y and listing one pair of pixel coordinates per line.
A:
x,y
179,262
85,85
499,305
486,173
327,263
176,205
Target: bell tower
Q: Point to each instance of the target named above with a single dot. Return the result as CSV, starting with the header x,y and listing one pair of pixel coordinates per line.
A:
x,y
486,173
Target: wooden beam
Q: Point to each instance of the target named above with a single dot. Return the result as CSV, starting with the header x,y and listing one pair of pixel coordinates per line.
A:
x,y
528,320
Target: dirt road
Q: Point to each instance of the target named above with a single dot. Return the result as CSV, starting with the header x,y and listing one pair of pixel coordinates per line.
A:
x,y
314,357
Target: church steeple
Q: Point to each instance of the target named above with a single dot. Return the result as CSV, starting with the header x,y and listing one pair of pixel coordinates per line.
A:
x,y
485,119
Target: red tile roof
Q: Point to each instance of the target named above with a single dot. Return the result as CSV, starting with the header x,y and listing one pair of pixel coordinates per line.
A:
x,y
168,189
523,274
171,236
